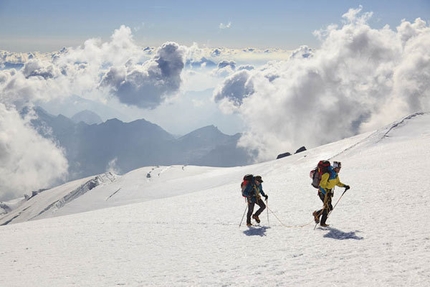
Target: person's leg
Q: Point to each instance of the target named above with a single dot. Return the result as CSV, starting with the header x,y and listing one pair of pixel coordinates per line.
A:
x,y
250,211
327,208
260,210
260,203
318,213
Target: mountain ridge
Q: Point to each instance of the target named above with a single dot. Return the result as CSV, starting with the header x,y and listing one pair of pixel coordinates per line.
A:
x,y
114,145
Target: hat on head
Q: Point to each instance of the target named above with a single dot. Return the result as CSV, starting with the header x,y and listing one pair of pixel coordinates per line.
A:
x,y
258,178
337,164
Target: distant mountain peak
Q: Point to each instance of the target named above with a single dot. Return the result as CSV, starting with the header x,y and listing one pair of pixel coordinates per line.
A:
x,y
211,131
87,117
209,128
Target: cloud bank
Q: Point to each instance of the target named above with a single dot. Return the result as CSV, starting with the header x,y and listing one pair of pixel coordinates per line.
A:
x,y
358,80
27,161
117,70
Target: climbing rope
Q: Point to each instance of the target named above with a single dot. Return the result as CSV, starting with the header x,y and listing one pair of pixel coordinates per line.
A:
x,y
288,226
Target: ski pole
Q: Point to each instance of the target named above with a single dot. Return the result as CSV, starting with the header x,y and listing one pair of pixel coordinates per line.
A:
x,y
243,215
267,203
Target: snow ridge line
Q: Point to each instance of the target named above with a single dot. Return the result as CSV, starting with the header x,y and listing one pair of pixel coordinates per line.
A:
x,y
69,197
81,190
10,220
397,124
393,126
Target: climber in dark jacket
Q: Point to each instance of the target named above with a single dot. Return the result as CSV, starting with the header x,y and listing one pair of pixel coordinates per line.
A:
x,y
253,193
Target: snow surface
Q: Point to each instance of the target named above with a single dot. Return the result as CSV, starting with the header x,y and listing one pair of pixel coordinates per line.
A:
x,y
179,225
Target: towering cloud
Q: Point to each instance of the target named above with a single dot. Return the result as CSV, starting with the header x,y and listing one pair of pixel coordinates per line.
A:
x,y
147,85
358,80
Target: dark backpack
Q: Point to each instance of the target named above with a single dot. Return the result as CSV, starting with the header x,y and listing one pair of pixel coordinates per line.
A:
x,y
246,180
316,173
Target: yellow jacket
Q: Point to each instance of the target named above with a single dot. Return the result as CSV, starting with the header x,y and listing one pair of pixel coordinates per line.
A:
x,y
330,180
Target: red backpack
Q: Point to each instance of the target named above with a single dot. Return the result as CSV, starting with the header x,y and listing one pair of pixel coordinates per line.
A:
x,y
246,179
317,172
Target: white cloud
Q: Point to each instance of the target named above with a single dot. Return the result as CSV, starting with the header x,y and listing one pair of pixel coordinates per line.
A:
x,y
235,88
225,26
224,68
360,78
28,161
147,85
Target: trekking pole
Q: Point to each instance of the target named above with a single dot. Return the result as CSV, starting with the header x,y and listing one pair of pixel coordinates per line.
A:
x,y
339,198
243,215
337,202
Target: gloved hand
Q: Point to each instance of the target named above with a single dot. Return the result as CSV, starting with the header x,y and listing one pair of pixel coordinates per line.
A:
x,y
347,187
266,196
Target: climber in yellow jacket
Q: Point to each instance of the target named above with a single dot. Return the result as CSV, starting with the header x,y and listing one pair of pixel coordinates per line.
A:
x,y
328,181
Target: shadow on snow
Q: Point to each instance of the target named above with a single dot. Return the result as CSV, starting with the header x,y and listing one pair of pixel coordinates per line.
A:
x,y
256,230
340,235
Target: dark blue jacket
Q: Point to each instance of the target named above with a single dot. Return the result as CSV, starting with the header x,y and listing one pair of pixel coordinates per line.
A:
x,y
252,191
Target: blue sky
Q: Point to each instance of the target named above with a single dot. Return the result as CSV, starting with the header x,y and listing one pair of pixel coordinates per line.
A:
x,y
49,25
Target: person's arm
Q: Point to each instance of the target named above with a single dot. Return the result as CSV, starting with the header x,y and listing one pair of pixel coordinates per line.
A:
x,y
339,183
262,192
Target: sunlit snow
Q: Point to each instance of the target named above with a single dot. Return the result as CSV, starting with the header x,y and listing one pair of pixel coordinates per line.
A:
x,y
179,225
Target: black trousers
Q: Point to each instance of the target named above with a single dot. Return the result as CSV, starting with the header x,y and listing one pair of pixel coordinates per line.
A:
x,y
326,199
251,204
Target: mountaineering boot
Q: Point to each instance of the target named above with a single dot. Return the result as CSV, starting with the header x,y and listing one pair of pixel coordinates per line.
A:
x,y
324,225
256,218
316,217
249,224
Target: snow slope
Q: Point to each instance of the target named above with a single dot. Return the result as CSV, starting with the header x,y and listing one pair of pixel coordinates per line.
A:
x,y
179,226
